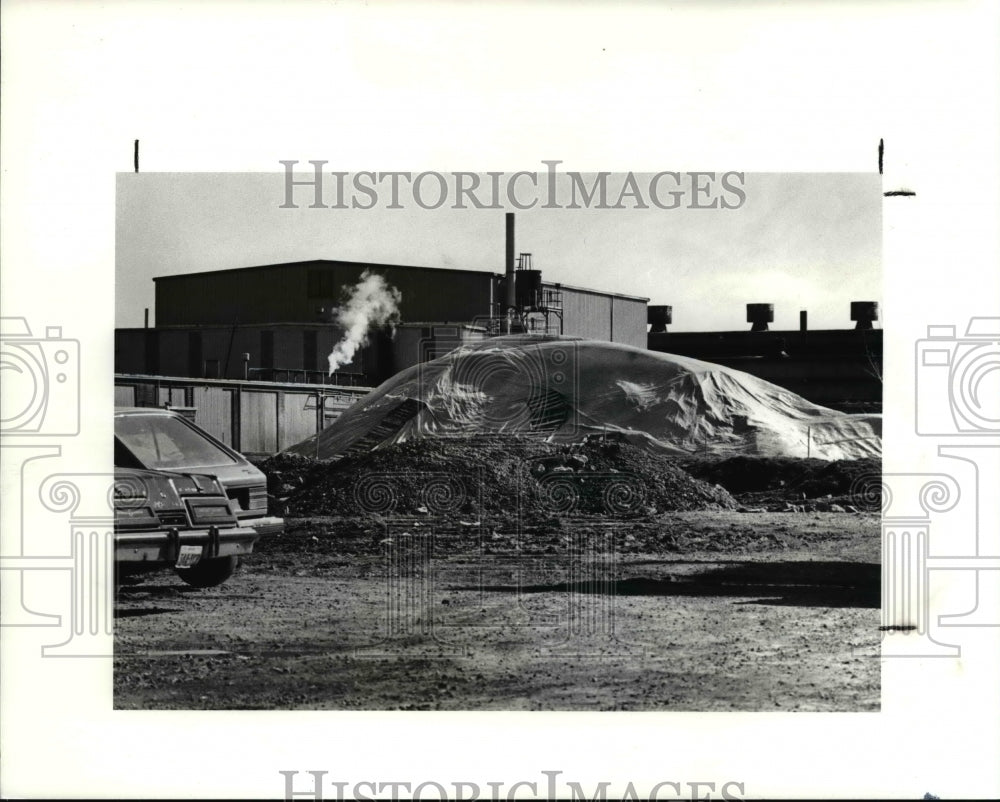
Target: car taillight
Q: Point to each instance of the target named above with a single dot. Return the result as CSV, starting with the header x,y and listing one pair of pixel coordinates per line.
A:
x,y
131,503
129,491
136,518
249,499
258,498
197,484
208,512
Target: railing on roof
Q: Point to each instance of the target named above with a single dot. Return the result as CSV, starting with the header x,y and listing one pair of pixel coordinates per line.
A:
x,y
299,376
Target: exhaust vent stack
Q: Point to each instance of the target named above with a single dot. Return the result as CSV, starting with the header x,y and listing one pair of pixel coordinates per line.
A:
x,y
659,317
760,315
864,313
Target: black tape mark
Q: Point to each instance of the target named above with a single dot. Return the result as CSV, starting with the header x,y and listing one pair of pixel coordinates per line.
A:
x,y
899,193
881,153
135,157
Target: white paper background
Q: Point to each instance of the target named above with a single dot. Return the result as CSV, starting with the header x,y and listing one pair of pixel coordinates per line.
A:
x,y
717,86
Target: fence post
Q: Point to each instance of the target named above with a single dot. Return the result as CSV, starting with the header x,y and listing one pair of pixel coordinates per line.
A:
x,y
238,418
320,404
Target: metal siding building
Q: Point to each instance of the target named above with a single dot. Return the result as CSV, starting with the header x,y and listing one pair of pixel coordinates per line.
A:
x,y
284,317
306,292
586,314
628,316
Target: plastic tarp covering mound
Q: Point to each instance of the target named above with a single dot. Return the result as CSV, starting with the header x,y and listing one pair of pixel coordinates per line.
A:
x,y
565,389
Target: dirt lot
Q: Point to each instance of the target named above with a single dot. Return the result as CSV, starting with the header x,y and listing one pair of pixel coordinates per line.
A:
x,y
705,610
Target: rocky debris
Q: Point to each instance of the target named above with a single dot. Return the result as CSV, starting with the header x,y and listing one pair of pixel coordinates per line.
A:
x,y
796,485
499,476
512,476
287,474
339,543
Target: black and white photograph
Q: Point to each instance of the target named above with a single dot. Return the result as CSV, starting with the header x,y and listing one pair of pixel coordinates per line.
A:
x,y
619,449
440,400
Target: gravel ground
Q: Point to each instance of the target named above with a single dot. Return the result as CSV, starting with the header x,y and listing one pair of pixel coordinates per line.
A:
x,y
700,611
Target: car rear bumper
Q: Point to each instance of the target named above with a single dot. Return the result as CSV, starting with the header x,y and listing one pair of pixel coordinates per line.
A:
x,y
164,545
265,526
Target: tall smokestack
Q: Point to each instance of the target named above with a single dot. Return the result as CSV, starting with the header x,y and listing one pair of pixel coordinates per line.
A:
x,y
510,261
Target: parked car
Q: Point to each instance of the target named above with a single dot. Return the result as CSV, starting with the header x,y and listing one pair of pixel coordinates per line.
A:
x,y
200,491
183,520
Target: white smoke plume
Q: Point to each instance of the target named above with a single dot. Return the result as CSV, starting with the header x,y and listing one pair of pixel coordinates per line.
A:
x,y
370,304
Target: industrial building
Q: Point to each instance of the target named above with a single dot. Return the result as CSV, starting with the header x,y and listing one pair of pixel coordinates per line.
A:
x,y
838,368
278,322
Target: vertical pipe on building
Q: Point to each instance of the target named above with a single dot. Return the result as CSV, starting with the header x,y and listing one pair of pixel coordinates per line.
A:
x,y
510,260
803,320
145,322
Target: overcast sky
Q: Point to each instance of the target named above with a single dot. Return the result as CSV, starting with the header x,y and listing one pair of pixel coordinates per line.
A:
x,y
799,241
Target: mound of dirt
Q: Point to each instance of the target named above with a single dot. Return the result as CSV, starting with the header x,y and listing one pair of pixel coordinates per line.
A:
x,y
286,473
565,390
468,478
776,482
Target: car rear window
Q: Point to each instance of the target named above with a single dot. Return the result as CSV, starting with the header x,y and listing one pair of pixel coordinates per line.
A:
x,y
164,442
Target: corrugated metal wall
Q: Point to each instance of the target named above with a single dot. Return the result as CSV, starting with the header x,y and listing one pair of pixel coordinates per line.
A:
x,y
597,316
259,421
214,411
586,315
629,322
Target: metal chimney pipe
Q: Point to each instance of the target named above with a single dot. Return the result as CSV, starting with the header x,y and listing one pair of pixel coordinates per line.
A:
x,y
803,320
510,261
145,323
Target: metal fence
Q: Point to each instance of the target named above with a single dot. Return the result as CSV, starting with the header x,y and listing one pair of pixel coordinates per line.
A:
x,y
253,417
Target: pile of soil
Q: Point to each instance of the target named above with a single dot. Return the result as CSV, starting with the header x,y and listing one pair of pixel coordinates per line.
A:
x,y
777,483
494,476
287,473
